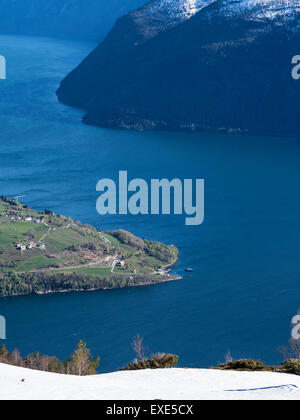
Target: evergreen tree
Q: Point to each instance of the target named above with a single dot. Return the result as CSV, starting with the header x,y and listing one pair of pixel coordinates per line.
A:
x,y
81,362
5,356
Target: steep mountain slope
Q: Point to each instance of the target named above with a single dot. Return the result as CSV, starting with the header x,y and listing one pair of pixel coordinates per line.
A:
x,y
129,32
75,19
226,68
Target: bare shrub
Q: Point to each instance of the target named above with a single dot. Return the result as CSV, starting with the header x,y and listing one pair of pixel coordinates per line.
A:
x,y
138,347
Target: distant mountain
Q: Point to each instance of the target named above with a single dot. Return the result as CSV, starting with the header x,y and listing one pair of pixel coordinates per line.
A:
x,y
202,65
130,32
86,19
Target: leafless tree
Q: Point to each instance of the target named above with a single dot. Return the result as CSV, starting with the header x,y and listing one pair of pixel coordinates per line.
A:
x,y
44,363
138,347
17,358
228,357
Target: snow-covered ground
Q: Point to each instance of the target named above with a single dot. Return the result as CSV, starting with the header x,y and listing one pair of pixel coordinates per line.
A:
x,y
169,384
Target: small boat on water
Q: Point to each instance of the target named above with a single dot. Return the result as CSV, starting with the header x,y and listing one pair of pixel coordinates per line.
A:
x,y
189,270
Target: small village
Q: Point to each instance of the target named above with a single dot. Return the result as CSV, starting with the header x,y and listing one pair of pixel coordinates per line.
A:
x,y
30,245
18,217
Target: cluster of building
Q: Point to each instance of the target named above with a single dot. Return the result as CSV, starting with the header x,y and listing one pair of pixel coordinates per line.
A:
x,y
122,264
21,218
31,245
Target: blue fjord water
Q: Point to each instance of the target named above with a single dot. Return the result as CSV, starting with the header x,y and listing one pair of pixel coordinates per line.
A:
x,y
245,288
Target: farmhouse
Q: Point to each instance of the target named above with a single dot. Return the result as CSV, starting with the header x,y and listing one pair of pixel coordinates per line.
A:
x,y
120,264
20,247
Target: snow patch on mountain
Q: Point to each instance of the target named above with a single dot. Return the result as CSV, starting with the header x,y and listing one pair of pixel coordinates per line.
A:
x,y
173,12
160,15
176,10
260,9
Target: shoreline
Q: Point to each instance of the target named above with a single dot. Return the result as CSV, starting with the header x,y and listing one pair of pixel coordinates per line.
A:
x,y
51,292
184,127
163,280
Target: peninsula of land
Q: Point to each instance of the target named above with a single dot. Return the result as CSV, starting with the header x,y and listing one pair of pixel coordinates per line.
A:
x,y
41,252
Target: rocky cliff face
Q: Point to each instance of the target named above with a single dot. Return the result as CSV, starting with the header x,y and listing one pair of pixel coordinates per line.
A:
x,y
75,19
202,65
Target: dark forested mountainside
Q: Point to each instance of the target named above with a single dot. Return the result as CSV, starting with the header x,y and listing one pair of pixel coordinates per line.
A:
x,y
227,67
